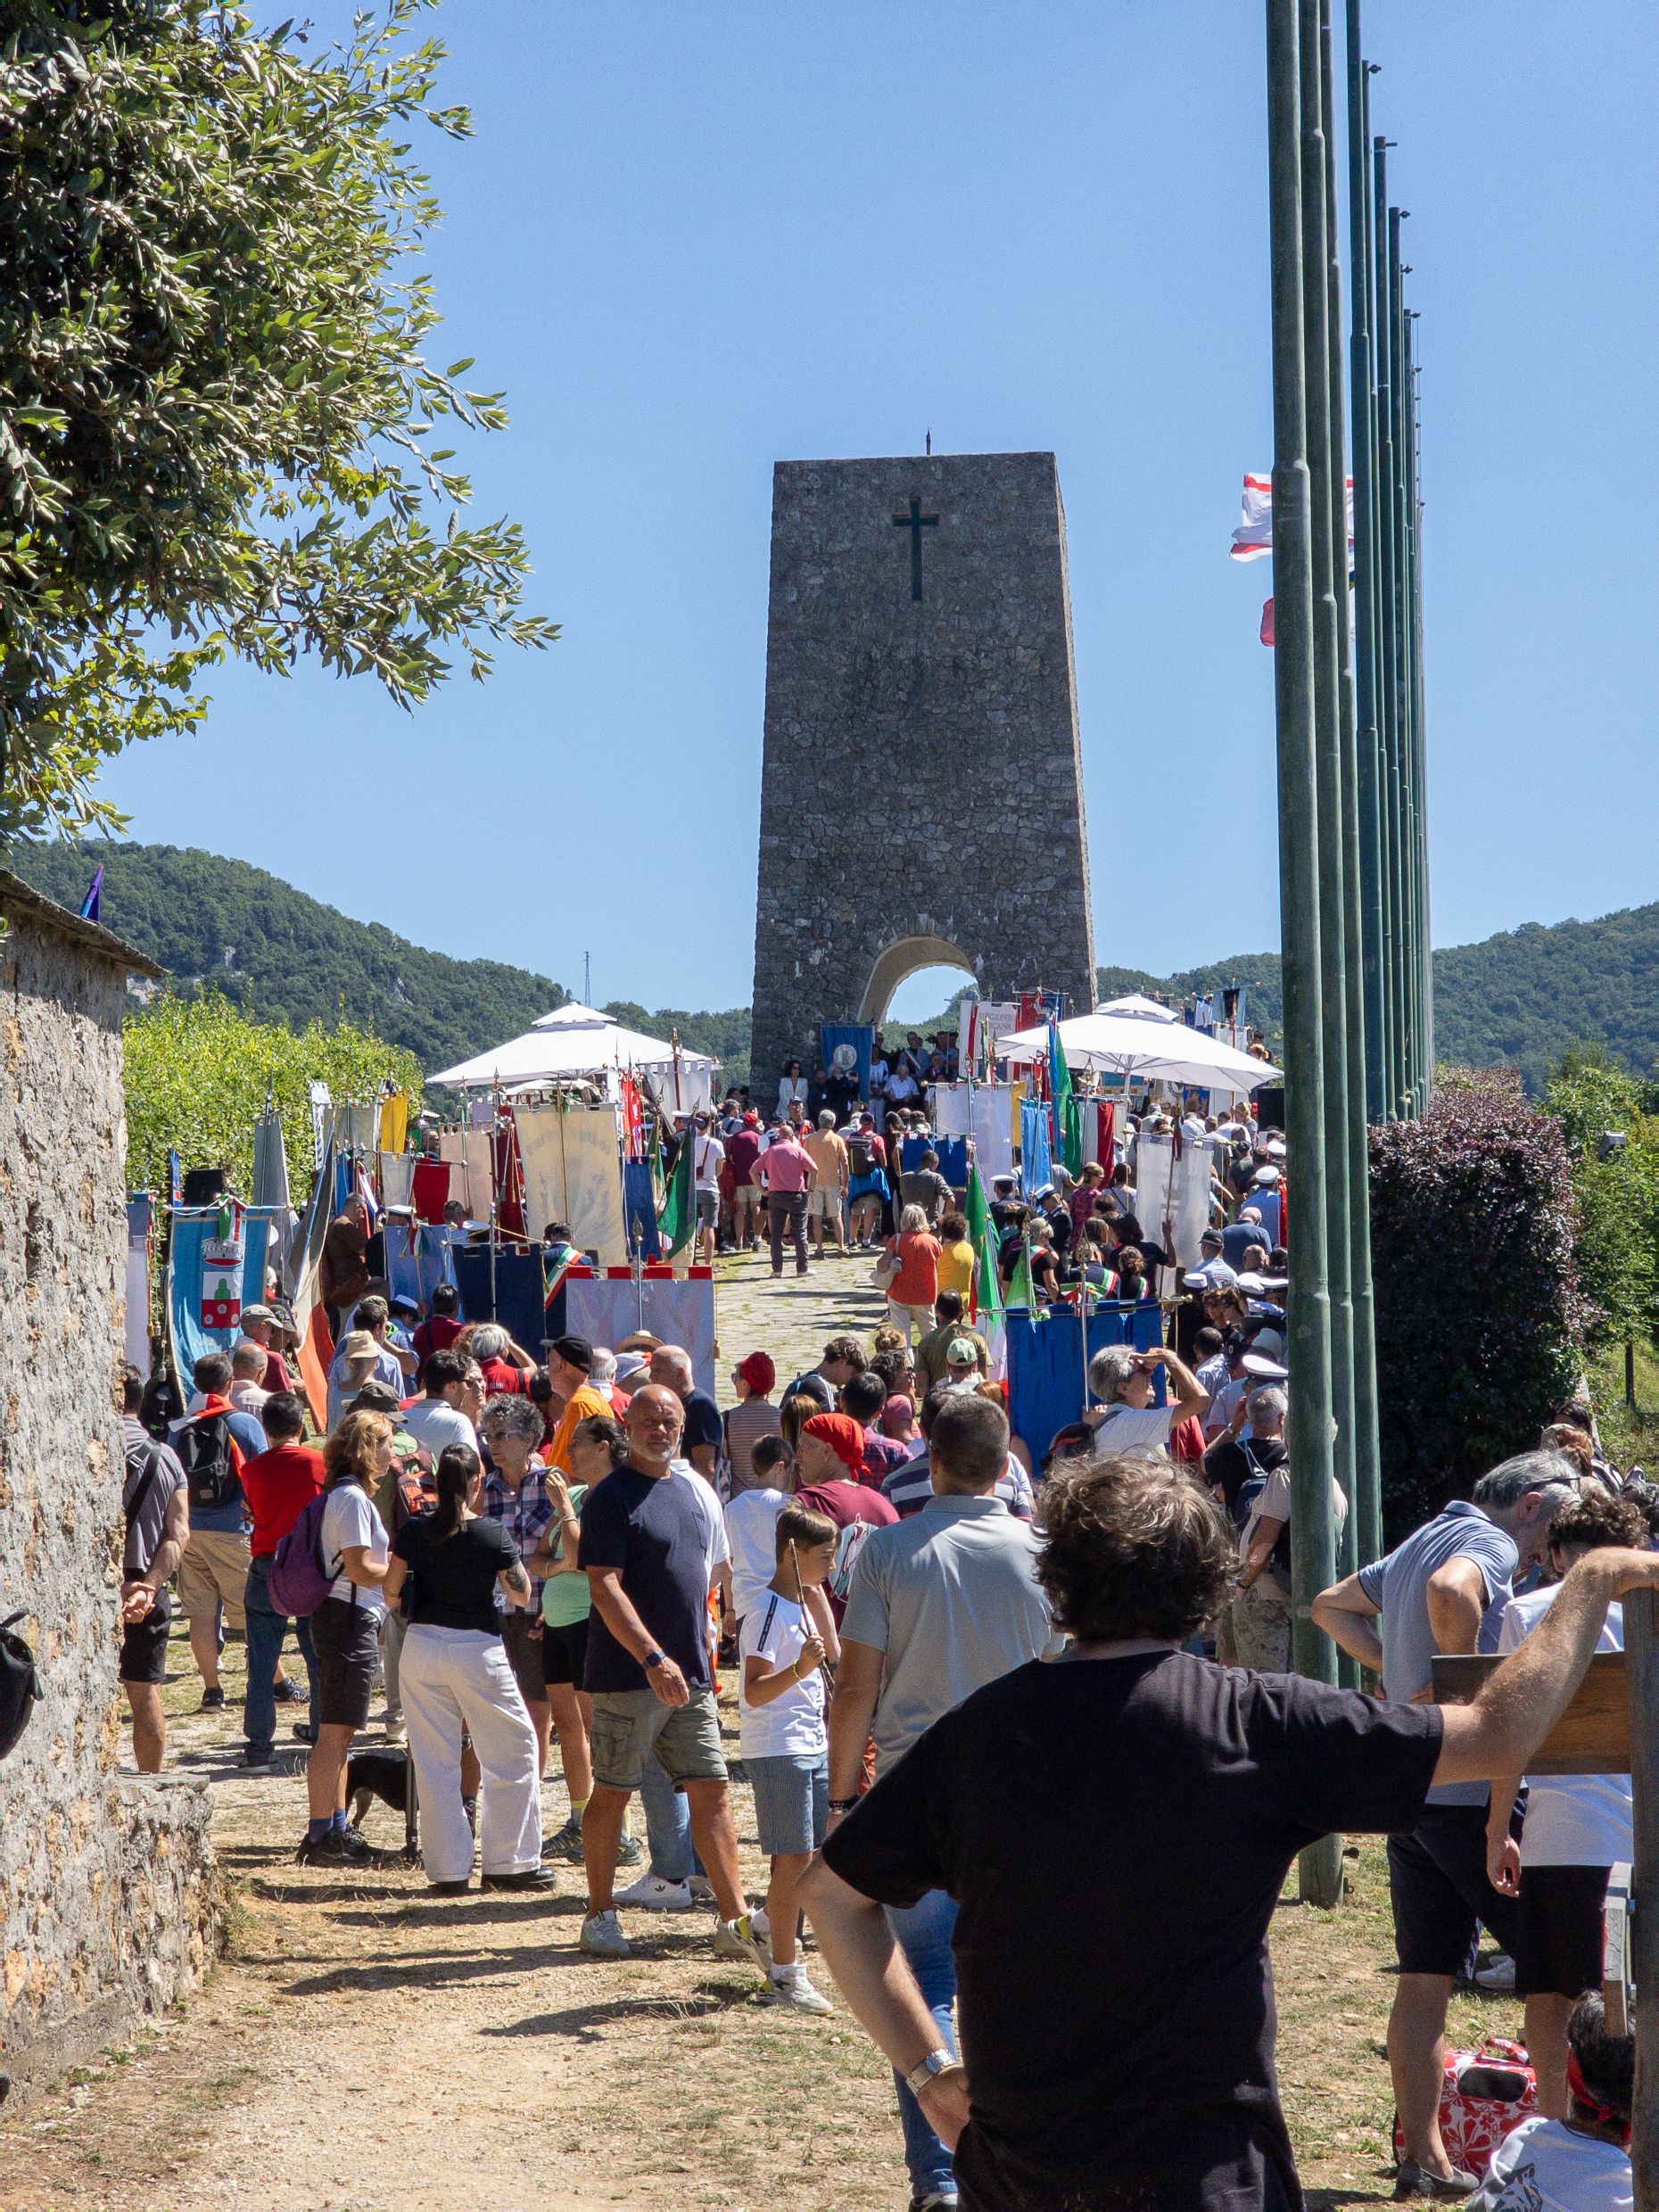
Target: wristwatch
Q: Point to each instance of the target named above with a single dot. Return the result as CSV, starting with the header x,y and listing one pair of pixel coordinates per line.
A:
x,y
936,2063
653,1659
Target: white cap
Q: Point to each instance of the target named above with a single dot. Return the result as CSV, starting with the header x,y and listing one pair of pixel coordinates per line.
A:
x,y
1265,1174
1257,1365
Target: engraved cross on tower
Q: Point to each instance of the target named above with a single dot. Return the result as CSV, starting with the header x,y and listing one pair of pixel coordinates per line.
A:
x,y
915,522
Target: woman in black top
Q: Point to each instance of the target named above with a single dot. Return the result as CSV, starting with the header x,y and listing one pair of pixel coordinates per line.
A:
x,y
447,1567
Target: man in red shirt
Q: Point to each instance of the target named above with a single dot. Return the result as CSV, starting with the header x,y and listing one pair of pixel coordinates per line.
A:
x,y
440,1329
743,1149
279,1485
786,1173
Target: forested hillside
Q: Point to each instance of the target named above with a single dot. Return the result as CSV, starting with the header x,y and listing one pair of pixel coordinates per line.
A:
x,y
1523,997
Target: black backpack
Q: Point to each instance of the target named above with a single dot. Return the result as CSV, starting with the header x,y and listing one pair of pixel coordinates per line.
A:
x,y
18,1685
203,1448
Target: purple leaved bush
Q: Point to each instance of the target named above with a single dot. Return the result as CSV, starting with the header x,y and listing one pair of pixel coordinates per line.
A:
x,y
1480,1320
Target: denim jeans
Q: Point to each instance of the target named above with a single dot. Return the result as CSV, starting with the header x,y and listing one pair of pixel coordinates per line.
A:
x,y
667,1827
923,1934
266,1632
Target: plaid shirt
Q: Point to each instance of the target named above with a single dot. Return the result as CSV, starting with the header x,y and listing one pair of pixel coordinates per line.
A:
x,y
526,1511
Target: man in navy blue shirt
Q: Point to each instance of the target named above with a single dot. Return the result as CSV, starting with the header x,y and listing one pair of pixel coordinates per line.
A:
x,y
649,1674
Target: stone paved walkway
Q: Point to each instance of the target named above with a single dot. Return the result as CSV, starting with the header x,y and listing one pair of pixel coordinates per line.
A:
x,y
792,1318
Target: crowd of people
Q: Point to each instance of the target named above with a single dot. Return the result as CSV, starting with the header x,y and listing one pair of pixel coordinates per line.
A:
x,y
535,1557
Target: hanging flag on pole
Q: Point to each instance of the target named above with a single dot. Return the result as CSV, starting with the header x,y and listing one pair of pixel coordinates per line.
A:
x,y
89,904
1022,1290
988,1294
676,1225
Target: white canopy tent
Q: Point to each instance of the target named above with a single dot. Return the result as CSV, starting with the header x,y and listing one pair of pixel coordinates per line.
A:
x,y
1139,1044
574,1041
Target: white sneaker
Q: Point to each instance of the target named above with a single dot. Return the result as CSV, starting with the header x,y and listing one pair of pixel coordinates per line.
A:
x,y
761,1924
737,1939
602,1937
1499,1973
652,1893
797,1991
396,1732
701,1888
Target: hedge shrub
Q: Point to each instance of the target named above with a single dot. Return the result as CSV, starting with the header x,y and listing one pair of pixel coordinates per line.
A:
x,y
1479,1321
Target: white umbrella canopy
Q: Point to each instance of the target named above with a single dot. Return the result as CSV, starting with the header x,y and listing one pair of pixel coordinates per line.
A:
x,y
1133,1044
571,1041
1137,1003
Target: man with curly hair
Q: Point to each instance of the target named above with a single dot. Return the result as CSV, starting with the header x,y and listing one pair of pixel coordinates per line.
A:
x,y
1115,1830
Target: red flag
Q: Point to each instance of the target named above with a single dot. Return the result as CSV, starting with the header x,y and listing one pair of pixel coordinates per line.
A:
x,y
1267,622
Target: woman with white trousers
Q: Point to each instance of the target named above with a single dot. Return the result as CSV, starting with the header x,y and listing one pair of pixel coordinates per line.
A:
x,y
456,1680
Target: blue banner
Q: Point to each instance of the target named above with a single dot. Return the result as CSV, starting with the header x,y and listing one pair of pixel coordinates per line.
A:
x,y
185,1272
846,1047
952,1151
640,1208
1045,1378
1034,1150
417,1259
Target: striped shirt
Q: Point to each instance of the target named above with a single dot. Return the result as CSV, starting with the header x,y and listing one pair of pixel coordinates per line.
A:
x,y
908,1489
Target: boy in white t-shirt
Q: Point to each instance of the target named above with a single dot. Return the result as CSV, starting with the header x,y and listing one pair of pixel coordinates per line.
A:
x,y
1577,1825
785,1640
1581,2164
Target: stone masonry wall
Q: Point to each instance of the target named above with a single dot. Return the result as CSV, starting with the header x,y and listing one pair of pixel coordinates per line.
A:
x,y
108,1901
922,783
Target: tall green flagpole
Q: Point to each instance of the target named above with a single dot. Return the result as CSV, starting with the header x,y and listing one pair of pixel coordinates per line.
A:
x,y
1308,1421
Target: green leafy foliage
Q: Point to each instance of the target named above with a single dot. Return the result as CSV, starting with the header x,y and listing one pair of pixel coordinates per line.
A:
x,y
199,1071
1616,1249
272,952
1480,1320
217,432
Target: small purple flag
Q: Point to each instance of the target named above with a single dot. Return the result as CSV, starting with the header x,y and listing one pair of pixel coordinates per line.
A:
x,y
89,904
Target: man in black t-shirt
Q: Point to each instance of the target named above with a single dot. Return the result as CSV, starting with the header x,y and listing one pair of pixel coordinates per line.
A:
x,y
1118,2049
702,1434
648,1673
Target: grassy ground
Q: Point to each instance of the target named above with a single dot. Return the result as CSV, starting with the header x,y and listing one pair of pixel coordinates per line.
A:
x,y
367,2048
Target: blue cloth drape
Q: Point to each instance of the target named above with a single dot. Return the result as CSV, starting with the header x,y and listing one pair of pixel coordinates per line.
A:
x,y
640,1208
417,1259
1045,1363
184,1282
1034,1146
860,1036
518,1303
952,1152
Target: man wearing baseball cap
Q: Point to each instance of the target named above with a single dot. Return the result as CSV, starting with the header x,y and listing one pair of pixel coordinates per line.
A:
x,y
570,1359
258,1326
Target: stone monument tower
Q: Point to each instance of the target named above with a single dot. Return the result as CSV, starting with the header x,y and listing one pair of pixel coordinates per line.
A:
x,y
921,801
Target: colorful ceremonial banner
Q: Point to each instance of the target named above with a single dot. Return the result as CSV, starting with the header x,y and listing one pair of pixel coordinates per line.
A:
x,y
211,1277
677,1222
846,1047
573,1173
679,1309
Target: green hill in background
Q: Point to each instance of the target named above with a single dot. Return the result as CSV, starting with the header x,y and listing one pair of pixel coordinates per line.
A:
x,y
1522,997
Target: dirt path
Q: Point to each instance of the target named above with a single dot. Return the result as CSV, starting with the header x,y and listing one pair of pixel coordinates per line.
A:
x,y
367,2048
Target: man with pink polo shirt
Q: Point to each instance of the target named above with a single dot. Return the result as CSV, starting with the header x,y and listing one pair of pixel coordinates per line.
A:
x,y
786,1173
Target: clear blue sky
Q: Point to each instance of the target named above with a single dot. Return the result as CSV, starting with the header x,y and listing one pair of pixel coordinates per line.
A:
x,y
690,240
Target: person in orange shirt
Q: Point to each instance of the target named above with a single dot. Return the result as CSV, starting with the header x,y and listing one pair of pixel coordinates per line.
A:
x,y
912,1292
570,1361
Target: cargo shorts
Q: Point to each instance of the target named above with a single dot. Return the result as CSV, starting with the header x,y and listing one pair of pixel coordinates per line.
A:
x,y
632,1725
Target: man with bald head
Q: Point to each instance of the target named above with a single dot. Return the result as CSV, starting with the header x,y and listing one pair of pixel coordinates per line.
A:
x,y
701,1437
650,1674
